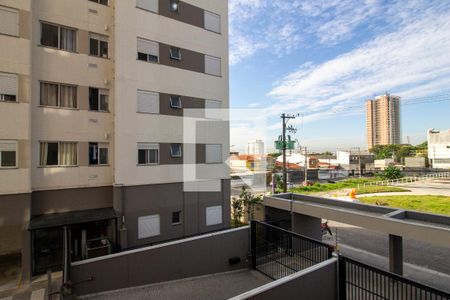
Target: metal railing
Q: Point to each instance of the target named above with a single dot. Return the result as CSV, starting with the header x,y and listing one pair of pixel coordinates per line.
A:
x,y
361,281
404,180
277,252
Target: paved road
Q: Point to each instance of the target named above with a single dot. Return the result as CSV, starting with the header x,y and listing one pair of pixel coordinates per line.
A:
x,y
424,262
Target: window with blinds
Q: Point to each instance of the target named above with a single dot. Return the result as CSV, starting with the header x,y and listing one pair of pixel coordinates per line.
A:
x,y
9,21
214,215
8,154
212,65
58,95
213,153
150,5
8,87
147,102
148,226
148,154
147,50
212,21
212,109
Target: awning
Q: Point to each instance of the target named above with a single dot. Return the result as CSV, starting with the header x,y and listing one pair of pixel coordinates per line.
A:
x,y
73,217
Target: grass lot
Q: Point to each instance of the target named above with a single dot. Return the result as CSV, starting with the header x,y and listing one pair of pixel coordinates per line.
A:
x,y
423,203
326,187
372,189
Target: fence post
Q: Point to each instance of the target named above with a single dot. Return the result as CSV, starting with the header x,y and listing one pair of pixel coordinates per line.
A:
x,y
342,284
253,243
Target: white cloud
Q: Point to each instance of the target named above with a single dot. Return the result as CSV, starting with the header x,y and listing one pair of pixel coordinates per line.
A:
x,y
412,61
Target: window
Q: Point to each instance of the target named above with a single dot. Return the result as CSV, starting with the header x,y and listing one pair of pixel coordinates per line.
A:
x,y
175,53
104,2
174,6
213,153
8,154
212,65
148,102
8,87
151,5
58,95
98,45
214,215
148,226
175,102
98,154
9,21
212,109
58,154
176,217
58,37
148,154
175,150
147,50
98,99
212,21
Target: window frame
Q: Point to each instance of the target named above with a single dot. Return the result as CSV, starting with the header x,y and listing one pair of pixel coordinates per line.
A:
x,y
143,218
59,165
100,146
147,55
148,147
179,217
58,100
174,105
172,150
221,154
99,38
16,152
101,92
16,32
173,51
59,36
211,209
98,2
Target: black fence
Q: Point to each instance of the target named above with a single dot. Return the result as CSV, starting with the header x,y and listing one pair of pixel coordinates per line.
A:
x,y
360,281
277,252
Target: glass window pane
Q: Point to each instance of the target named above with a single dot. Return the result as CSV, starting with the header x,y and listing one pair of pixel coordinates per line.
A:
x,y
104,49
175,150
68,39
93,46
104,2
68,96
49,35
153,156
52,154
11,98
104,102
142,56
8,159
93,153
93,99
103,156
49,94
142,157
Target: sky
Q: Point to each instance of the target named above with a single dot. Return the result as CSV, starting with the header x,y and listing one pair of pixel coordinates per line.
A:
x,y
322,59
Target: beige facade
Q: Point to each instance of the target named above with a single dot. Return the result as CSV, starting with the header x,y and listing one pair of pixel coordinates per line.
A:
x,y
383,121
72,123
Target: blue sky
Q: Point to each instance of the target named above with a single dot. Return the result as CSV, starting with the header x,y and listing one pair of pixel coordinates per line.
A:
x,y
324,58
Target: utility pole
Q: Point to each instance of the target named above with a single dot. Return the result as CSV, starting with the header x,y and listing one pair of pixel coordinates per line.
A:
x,y
285,118
306,166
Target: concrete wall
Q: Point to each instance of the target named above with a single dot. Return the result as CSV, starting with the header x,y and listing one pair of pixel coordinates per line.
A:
x,y
196,256
316,282
163,200
14,215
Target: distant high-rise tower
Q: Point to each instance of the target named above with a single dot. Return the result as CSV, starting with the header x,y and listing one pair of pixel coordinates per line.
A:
x,y
383,120
255,147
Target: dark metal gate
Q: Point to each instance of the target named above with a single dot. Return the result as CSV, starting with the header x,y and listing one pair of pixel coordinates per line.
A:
x,y
277,252
361,281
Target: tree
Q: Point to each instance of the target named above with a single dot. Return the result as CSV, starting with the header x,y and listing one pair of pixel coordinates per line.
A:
x,y
391,172
246,203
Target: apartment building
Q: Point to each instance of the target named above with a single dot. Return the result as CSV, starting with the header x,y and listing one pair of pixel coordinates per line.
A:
x,y
383,120
97,100
439,148
255,147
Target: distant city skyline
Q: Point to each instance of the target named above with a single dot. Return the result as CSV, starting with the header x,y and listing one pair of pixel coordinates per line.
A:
x,y
324,59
